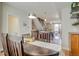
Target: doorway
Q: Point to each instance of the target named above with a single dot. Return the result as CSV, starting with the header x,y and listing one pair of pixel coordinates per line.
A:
x,y
57,33
13,24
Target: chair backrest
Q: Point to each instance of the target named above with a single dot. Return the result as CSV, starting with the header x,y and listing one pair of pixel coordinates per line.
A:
x,y
4,43
15,46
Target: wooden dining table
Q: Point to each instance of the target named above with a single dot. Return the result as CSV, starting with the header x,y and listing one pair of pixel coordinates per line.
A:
x,y
33,50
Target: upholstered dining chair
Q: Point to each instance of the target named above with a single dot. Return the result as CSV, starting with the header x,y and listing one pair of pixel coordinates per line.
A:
x,y
4,43
14,44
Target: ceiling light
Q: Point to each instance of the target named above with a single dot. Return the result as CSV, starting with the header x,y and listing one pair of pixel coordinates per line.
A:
x,y
44,19
31,16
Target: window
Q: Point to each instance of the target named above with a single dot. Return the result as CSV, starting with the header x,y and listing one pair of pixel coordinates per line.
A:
x,y
57,27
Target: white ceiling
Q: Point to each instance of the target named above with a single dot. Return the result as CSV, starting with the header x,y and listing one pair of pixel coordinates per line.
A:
x,y
48,10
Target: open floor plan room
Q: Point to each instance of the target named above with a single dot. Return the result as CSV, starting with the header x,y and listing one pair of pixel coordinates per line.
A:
x,y
39,29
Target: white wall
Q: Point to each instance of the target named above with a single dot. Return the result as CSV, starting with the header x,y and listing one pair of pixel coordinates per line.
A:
x,y
4,18
67,27
26,29
0,24
23,19
9,10
0,16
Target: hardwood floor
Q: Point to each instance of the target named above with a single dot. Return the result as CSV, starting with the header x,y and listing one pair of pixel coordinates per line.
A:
x,y
67,52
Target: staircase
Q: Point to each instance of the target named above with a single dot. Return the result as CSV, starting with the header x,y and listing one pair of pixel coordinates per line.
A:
x,y
38,24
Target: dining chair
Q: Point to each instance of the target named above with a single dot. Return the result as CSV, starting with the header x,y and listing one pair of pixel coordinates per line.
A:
x,y
15,45
4,43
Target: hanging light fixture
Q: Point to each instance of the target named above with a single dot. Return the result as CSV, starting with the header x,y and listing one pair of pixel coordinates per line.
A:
x,y
45,16
32,16
45,19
